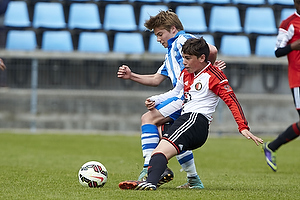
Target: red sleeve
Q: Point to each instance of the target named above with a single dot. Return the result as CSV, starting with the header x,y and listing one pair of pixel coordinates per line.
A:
x,y
225,92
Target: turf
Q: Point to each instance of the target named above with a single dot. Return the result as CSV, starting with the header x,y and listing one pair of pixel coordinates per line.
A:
x,y
45,166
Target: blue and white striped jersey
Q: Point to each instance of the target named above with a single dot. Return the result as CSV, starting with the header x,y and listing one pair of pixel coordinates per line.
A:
x,y
173,65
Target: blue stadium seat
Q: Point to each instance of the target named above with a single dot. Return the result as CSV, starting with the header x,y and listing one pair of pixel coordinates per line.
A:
x,y
265,46
129,43
286,12
225,19
21,40
208,38
149,10
235,45
192,18
249,2
156,47
93,42
84,16
146,1
16,15
57,41
119,17
180,1
281,2
260,20
49,15
220,2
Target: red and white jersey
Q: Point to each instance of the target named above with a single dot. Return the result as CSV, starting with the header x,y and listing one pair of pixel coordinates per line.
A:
x,y
289,31
202,93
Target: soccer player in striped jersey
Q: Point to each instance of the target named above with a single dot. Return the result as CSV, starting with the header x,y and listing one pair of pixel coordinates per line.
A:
x,y
170,33
288,43
203,85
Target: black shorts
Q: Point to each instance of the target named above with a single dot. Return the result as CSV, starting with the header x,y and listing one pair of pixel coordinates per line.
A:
x,y
188,132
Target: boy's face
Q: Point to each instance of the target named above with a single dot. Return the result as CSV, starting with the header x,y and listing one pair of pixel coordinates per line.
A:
x,y
162,35
193,64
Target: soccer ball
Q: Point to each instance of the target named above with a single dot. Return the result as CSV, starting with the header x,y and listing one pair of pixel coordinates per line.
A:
x,y
92,174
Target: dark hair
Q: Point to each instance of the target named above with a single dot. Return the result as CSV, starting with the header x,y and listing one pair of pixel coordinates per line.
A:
x,y
196,47
165,20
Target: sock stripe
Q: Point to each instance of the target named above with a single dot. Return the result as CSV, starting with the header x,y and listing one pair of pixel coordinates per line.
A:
x,y
296,129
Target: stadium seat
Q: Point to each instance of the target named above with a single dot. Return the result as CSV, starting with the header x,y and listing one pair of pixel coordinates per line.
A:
x,y
119,17
208,38
220,2
260,20
112,0
16,15
235,45
49,15
180,1
265,46
192,18
84,16
281,2
149,10
225,19
146,1
286,12
130,43
57,41
154,46
249,2
93,42
21,40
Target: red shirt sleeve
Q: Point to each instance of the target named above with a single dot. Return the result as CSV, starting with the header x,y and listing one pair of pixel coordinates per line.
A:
x,y
225,92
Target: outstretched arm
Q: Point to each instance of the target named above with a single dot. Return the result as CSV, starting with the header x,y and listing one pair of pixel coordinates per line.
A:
x,y
125,72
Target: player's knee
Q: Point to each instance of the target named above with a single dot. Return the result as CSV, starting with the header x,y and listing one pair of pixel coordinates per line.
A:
x,y
146,118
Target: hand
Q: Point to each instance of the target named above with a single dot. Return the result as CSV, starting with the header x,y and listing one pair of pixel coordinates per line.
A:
x,y
220,63
149,104
2,65
249,135
124,72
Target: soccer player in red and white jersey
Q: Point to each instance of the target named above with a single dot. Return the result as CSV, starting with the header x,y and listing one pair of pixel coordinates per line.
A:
x,y
203,85
288,43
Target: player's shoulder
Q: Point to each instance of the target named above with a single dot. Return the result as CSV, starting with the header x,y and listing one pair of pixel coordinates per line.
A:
x,y
215,72
185,36
290,20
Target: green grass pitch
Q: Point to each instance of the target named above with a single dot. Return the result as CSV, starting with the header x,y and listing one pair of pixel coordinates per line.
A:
x,y
45,166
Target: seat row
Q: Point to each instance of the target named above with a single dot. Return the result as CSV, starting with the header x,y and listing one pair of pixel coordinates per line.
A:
x,y
129,43
121,17
247,2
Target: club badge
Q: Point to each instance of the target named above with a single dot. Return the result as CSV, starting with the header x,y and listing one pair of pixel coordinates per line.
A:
x,y
198,86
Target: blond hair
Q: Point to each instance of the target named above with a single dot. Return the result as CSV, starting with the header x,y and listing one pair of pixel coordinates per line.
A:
x,y
165,20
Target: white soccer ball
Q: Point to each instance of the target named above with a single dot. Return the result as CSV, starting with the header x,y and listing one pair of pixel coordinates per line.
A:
x,y
92,174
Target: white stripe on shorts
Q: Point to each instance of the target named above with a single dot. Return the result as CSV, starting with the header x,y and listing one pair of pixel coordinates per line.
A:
x,y
186,125
297,97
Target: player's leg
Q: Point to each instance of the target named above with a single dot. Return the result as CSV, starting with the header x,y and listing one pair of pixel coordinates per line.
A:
x,y
186,160
291,133
182,135
150,136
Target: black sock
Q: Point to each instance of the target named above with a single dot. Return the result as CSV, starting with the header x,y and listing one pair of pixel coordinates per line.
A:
x,y
289,134
157,165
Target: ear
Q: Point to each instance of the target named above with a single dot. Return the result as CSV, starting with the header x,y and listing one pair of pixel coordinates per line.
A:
x,y
202,58
173,30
